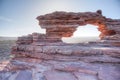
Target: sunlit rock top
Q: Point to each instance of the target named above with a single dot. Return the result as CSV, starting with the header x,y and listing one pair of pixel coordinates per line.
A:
x,y
64,24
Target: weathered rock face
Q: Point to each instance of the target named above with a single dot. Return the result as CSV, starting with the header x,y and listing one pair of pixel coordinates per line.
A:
x,y
46,57
37,37
63,24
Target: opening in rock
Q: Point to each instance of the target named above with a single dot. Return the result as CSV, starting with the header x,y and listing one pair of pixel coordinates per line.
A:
x,y
83,34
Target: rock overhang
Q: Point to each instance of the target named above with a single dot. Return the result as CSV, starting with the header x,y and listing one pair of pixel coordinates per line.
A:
x,y
70,18
64,24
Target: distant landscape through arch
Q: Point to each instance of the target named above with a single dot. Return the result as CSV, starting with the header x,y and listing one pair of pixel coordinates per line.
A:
x,y
85,33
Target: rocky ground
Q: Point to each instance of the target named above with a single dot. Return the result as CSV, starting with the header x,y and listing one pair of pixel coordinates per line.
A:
x,y
60,61
64,67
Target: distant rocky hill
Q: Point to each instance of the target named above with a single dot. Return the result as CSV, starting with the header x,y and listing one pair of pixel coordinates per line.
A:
x,y
2,38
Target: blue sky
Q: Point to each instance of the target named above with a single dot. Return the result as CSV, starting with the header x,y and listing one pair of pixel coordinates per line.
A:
x,y
18,17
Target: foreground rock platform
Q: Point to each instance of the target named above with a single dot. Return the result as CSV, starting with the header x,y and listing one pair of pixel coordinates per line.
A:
x,y
36,69
46,57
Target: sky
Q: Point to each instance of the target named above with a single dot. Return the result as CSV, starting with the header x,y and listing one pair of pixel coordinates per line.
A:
x,y
18,17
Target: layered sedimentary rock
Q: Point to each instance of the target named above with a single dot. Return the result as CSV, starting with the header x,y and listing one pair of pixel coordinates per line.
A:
x,y
64,24
46,57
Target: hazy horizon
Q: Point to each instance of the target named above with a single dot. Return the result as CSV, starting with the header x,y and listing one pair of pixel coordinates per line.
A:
x,y
64,39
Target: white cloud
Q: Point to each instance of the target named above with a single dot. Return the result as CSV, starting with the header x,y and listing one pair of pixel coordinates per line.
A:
x,y
2,18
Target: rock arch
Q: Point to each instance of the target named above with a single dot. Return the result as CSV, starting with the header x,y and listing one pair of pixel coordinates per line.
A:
x,y
64,24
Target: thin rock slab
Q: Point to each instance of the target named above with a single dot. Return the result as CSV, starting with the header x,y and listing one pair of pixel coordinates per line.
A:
x,y
83,76
24,75
58,75
108,72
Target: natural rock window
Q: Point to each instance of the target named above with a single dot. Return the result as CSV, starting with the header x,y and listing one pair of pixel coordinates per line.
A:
x,y
83,34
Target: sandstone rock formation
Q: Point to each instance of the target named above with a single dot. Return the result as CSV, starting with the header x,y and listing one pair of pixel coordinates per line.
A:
x,y
63,24
46,57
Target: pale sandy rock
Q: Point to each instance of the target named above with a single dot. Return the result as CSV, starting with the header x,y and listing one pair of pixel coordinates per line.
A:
x,y
24,75
109,72
83,76
57,75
